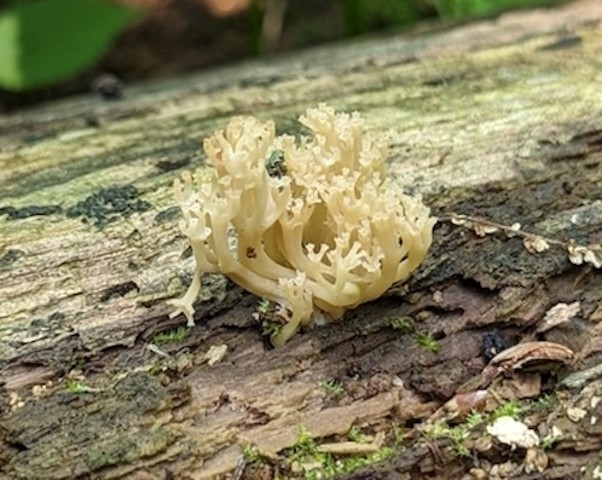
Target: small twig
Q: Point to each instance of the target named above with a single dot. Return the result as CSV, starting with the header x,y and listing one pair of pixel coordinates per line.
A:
x,y
509,230
240,468
153,348
578,254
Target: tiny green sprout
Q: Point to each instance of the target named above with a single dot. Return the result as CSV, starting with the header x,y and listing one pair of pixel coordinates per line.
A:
x,y
405,324
264,306
474,419
305,444
333,387
399,434
171,336
317,465
74,386
271,328
548,441
546,402
354,434
381,454
267,313
305,452
439,430
509,409
427,341
251,454
156,368
456,435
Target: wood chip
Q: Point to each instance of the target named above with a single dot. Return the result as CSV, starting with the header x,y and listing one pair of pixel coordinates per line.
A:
x,y
216,354
511,432
535,244
348,448
528,355
557,315
461,404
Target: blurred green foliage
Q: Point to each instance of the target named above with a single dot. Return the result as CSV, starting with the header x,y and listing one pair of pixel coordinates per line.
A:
x,y
361,16
46,41
43,42
466,9
365,15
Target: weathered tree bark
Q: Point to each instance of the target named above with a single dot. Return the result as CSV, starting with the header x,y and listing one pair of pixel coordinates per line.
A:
x,y
498,119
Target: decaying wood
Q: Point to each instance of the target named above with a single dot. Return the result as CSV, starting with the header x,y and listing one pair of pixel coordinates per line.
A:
x,y
497,119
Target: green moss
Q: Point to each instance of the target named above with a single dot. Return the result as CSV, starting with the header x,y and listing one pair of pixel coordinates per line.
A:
x,y
548,441
322,465
354,434
459,435
474,419
266,313
156,368
251,454
405,324
509,409
546,402
305,457
171,336
74,386
456,435
333,387
427,341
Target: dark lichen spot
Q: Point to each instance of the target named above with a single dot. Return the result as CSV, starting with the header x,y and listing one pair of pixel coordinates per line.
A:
x,y
91,121
187,253
108,205
128,447
439,81
113,424
51,323
119,290
34,137
10,256
167,215
56,316
169,165
566,42
13,213
493,343
263,81
275,164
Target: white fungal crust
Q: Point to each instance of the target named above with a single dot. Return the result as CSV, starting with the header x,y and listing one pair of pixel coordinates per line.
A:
x,y
306,224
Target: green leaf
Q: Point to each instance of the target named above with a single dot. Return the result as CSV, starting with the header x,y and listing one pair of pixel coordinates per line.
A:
x,y
9,57
47,41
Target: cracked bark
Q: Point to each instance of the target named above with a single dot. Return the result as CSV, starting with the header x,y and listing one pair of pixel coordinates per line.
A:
x,y
497,119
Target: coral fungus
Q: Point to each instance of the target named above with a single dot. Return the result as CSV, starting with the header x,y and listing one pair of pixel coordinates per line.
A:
x,y
311,224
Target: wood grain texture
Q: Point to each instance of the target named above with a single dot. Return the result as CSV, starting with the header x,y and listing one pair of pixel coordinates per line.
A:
x,y
498,119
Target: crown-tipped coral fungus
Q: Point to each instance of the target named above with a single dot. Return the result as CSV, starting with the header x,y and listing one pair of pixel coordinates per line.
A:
x,y
311,224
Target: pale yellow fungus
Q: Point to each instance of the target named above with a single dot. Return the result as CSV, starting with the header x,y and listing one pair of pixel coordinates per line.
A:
x,y
311,224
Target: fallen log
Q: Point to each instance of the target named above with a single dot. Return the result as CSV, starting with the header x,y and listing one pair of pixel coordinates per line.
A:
x,y
495,123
